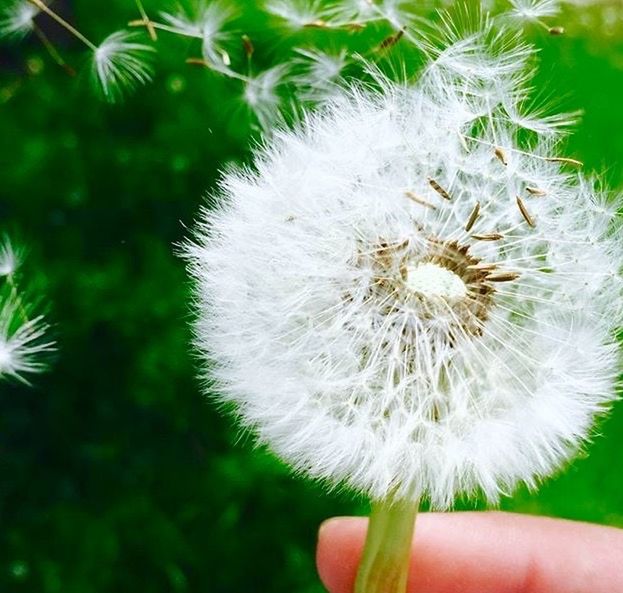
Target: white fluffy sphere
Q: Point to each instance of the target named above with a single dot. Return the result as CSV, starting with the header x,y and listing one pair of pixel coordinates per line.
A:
x,y
411,293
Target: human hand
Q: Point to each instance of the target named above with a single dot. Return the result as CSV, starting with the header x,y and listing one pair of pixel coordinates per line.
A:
x,y
486,553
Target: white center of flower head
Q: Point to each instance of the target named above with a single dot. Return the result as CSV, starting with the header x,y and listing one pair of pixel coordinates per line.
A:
x,y
432,280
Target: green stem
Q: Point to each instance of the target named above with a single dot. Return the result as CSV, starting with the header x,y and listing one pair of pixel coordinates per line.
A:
x,y
384,566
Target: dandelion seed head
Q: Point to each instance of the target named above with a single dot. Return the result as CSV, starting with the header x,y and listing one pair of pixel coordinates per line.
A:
x,y
17,18
374,300
120,64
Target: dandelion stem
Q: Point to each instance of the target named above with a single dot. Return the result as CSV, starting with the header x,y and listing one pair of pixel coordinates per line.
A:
x,y
61,21
384,565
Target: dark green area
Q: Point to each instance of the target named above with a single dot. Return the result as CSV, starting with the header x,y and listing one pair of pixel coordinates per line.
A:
x,y
116,474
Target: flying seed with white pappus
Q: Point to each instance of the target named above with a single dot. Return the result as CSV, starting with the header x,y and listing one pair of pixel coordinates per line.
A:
x,y
535,191
440,190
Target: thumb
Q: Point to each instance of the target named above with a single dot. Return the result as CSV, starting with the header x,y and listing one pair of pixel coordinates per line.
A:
x,y
486,553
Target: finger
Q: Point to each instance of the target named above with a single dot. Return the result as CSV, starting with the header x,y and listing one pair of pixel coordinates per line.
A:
x,y
486,553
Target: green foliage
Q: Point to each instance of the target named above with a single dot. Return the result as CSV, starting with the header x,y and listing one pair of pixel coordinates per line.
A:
x,y
117,475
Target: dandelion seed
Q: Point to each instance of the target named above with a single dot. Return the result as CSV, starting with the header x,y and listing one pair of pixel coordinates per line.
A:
x,y
298,13
248,46
473,216
362,12
208,25
261,95
392,40
23,342
21,349
534,10
120,64
501,155
440,190
482,267
488,237
319,73
418,200
535,191
565,161
17,18
503,277
524,212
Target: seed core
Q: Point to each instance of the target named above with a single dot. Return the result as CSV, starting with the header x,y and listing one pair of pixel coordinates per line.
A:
x,y
432,280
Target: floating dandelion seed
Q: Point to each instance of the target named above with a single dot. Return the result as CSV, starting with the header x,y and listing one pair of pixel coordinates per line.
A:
x,y
208,26
534,11
22,341
17,18
22,336
407,351
298,13
367,11
262,97
320,73
10,257
120,64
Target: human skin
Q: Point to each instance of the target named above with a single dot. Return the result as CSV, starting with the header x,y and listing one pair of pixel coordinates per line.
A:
x,y
488,552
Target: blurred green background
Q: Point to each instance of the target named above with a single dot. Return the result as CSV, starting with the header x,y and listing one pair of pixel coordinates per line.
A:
x,y
116,473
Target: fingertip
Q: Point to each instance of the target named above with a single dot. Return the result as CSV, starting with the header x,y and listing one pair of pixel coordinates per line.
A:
x,y
340,543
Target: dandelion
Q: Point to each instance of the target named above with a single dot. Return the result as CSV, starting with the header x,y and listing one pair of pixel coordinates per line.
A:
x,y
17,18
120,64
402,299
